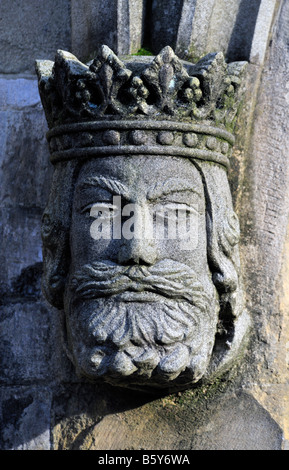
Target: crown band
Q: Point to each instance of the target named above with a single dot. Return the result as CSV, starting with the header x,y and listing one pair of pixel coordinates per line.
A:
x,y
142,124
86,153
100,138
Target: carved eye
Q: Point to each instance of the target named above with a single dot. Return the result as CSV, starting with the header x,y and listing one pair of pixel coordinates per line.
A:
x,y
86,209
99,210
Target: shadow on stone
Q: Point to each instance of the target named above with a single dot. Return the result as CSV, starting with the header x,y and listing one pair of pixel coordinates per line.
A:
x,y
124,420
25,287
241,39
238,423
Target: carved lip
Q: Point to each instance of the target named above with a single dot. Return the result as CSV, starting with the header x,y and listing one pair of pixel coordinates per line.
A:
x,y
145,296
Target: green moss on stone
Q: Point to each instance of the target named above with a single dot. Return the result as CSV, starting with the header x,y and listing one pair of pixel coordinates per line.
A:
x,y
143,51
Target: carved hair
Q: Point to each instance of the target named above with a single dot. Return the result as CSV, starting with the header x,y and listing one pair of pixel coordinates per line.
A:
x,y
223,235
55,232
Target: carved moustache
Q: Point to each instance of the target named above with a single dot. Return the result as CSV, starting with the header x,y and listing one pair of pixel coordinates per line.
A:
x,y
163,338
168,278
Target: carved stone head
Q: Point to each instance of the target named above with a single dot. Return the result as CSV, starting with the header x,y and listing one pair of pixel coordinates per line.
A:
x,y
140,239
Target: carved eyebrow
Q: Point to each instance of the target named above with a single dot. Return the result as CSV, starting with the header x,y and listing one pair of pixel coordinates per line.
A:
x,y
171,185
112,185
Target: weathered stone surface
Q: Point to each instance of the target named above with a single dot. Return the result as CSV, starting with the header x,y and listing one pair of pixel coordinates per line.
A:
x,y
283,416
117,23
20,242
23,152
238,423
192,27
137,17
265,18
212,27
166,20
18,93
93,24
197,27
32,30
263,197
242,34
30,346
177,422
124,420
25,174
23,146
80,27
25,418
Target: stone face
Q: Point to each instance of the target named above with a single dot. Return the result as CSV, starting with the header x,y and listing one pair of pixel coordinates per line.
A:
x,y
136,301
143,309
42,404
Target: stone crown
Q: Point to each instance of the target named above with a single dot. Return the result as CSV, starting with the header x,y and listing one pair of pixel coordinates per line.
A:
x,y
138,105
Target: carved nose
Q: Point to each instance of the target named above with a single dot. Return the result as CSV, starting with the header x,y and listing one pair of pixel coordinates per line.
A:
x,y
137,251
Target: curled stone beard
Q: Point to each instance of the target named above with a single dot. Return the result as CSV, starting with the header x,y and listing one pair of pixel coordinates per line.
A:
x,y
138,324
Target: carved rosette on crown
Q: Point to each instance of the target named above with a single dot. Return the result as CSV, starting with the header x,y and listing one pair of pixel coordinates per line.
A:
x,y
162,107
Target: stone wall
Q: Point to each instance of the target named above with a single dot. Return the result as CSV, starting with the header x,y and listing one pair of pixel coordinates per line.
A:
x,y
43,404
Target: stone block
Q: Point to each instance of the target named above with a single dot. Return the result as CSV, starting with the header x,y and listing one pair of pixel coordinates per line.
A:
x,y
202,27
20,241
118,24
25,169
262,31
224,420
224,17
18,93
29,348
166,17
25,418
238,423
32,30
240,43
193,27
25,173
93,24
130,33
